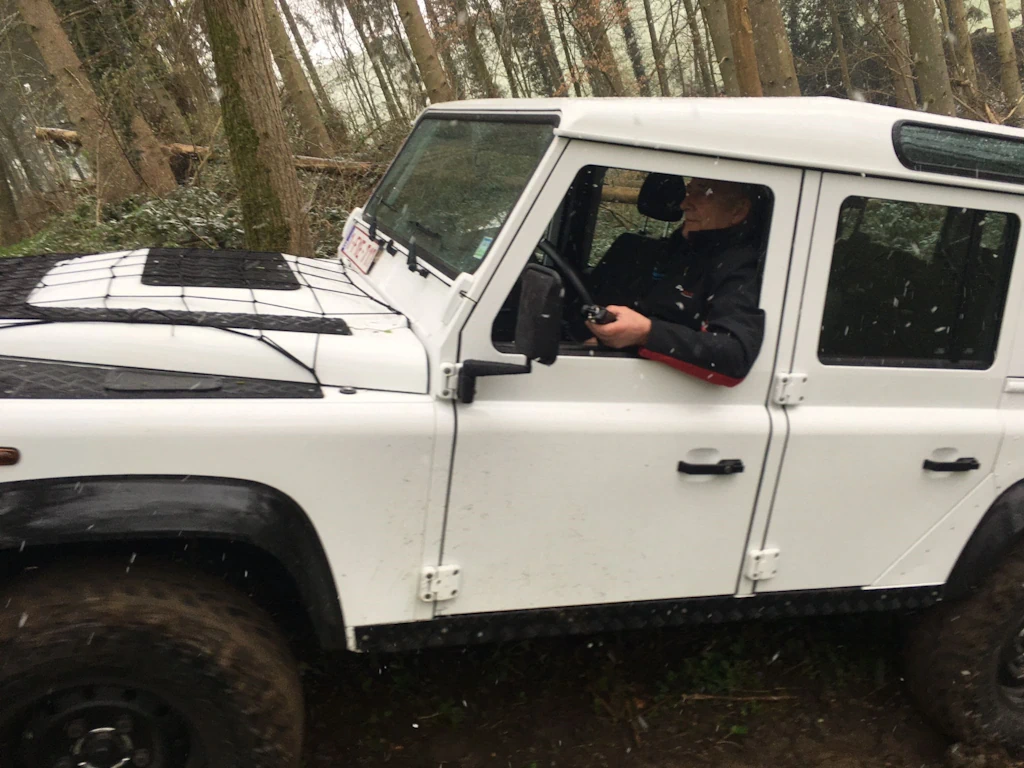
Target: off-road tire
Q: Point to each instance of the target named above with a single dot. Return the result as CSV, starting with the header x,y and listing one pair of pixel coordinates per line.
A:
x,y
954,654
200,646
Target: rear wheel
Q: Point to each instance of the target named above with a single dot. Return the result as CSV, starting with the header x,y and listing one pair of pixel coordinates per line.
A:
x,y
965,661
155,668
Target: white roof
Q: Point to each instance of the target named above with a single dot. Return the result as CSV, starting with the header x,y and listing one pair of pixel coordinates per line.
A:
x,y
810,132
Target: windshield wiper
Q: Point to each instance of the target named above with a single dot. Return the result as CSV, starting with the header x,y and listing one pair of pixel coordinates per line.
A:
x,y
411,262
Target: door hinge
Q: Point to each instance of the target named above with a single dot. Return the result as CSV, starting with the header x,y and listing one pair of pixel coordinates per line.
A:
x,y
789,388
450,380
438,583
762,564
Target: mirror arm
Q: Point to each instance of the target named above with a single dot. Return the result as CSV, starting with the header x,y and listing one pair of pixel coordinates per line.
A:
x,y
472,369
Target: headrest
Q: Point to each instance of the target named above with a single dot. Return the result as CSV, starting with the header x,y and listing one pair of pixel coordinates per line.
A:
x,y
660,197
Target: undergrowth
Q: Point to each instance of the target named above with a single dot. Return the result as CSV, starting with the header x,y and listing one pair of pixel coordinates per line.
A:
x,y
204,213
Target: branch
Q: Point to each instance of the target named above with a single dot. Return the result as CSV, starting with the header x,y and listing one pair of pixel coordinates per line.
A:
x,y
315,164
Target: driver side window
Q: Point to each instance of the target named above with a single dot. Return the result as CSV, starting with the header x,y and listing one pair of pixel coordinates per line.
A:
x,y
619,230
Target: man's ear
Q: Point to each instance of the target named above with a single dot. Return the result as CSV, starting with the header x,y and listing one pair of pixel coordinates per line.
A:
x,y
741,211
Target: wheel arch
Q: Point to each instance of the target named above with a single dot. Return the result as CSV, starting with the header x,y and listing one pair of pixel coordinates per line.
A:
x,y
1000,529
164,515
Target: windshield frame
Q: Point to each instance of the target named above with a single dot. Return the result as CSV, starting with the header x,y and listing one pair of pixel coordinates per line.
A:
x,y
441,266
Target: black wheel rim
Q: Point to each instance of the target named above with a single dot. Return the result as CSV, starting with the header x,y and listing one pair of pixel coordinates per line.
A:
x,y
1011,668
101,725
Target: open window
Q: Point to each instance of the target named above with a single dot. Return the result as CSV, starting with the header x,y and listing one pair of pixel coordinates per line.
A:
x,y
620,230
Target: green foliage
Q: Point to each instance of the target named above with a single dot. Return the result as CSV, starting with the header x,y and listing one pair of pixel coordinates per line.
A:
x,y
203,214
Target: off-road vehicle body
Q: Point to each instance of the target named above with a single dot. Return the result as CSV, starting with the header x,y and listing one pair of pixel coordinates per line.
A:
x,y
214,462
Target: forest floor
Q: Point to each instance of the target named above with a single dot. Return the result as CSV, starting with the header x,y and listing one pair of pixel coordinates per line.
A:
x,y
812,693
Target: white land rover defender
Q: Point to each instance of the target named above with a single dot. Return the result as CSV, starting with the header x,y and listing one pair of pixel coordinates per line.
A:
x,y
212,463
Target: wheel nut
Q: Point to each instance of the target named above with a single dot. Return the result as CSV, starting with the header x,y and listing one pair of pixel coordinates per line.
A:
x,y
124,724
141,757
76,729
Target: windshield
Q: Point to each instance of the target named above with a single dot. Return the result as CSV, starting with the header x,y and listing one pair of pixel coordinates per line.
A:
x,y
450,190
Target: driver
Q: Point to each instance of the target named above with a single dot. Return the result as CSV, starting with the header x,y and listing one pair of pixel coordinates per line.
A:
x,y
702,316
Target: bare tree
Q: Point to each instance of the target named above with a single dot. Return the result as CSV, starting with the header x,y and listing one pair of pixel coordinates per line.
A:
x,y
967,70
423,50
335,123
1009,76
659,57
115,176
467,26
590,25
897,54
12,228
742,36
703,63
538,25
837,36
929,59
632,47
774,56
254,125
716,14
316,141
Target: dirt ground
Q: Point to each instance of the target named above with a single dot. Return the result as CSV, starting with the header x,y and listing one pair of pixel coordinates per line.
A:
x,y
809,694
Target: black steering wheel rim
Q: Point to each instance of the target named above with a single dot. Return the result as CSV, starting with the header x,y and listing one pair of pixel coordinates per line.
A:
x,y
572,315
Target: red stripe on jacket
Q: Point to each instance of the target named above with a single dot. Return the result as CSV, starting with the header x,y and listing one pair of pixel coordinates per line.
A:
x,y
694,370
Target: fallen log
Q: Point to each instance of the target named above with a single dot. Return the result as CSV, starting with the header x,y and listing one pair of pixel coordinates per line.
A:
x,y
302,162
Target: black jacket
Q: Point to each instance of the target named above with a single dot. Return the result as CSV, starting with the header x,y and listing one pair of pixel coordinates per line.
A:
x,y
701,294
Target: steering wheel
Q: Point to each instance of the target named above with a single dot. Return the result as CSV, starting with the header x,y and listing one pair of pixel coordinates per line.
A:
x,y
583,304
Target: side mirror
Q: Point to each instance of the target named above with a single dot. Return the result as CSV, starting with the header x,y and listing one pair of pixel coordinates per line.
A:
x,y
539,324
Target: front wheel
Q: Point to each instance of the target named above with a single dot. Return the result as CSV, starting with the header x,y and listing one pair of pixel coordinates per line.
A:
x,y
965,661
155,668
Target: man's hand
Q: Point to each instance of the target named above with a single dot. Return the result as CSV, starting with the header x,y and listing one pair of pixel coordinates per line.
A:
x,y
629,329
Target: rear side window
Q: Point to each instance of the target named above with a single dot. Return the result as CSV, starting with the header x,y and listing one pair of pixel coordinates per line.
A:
x,y
916,285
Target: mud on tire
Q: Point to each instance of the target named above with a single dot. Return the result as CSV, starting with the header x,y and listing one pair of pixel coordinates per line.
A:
x,y
164,667
965,660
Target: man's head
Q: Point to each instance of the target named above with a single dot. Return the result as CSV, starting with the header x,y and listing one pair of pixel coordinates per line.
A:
x,y
712,204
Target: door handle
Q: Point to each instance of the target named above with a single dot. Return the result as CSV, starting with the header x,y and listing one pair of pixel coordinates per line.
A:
x,y
724,467
965,464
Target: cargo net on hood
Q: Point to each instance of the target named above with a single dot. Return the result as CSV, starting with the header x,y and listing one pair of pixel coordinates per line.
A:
x,y
237,291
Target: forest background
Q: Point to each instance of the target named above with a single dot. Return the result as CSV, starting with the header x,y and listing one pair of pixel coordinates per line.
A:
x,y
261,123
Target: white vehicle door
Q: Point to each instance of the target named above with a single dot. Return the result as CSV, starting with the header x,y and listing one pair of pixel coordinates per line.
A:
x,y
566,486
899,338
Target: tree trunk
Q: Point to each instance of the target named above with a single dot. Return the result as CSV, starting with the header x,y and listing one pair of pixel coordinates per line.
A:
x,y
967,69
590,24
929,60
115,177
1009,76
299,95
12,228
774,56
703,65
8,132
336,127
742,37
423,50
574,72
837,36
717,16
636,59
498,29
254,125
659,57
539,26
372,45
683,89
948,48
440,30
467,25
897,54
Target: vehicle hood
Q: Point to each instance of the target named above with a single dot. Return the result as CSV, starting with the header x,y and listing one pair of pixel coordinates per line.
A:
x,y
233,313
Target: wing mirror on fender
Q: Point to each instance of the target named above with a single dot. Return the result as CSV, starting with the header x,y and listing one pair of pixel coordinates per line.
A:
x,y
538,330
